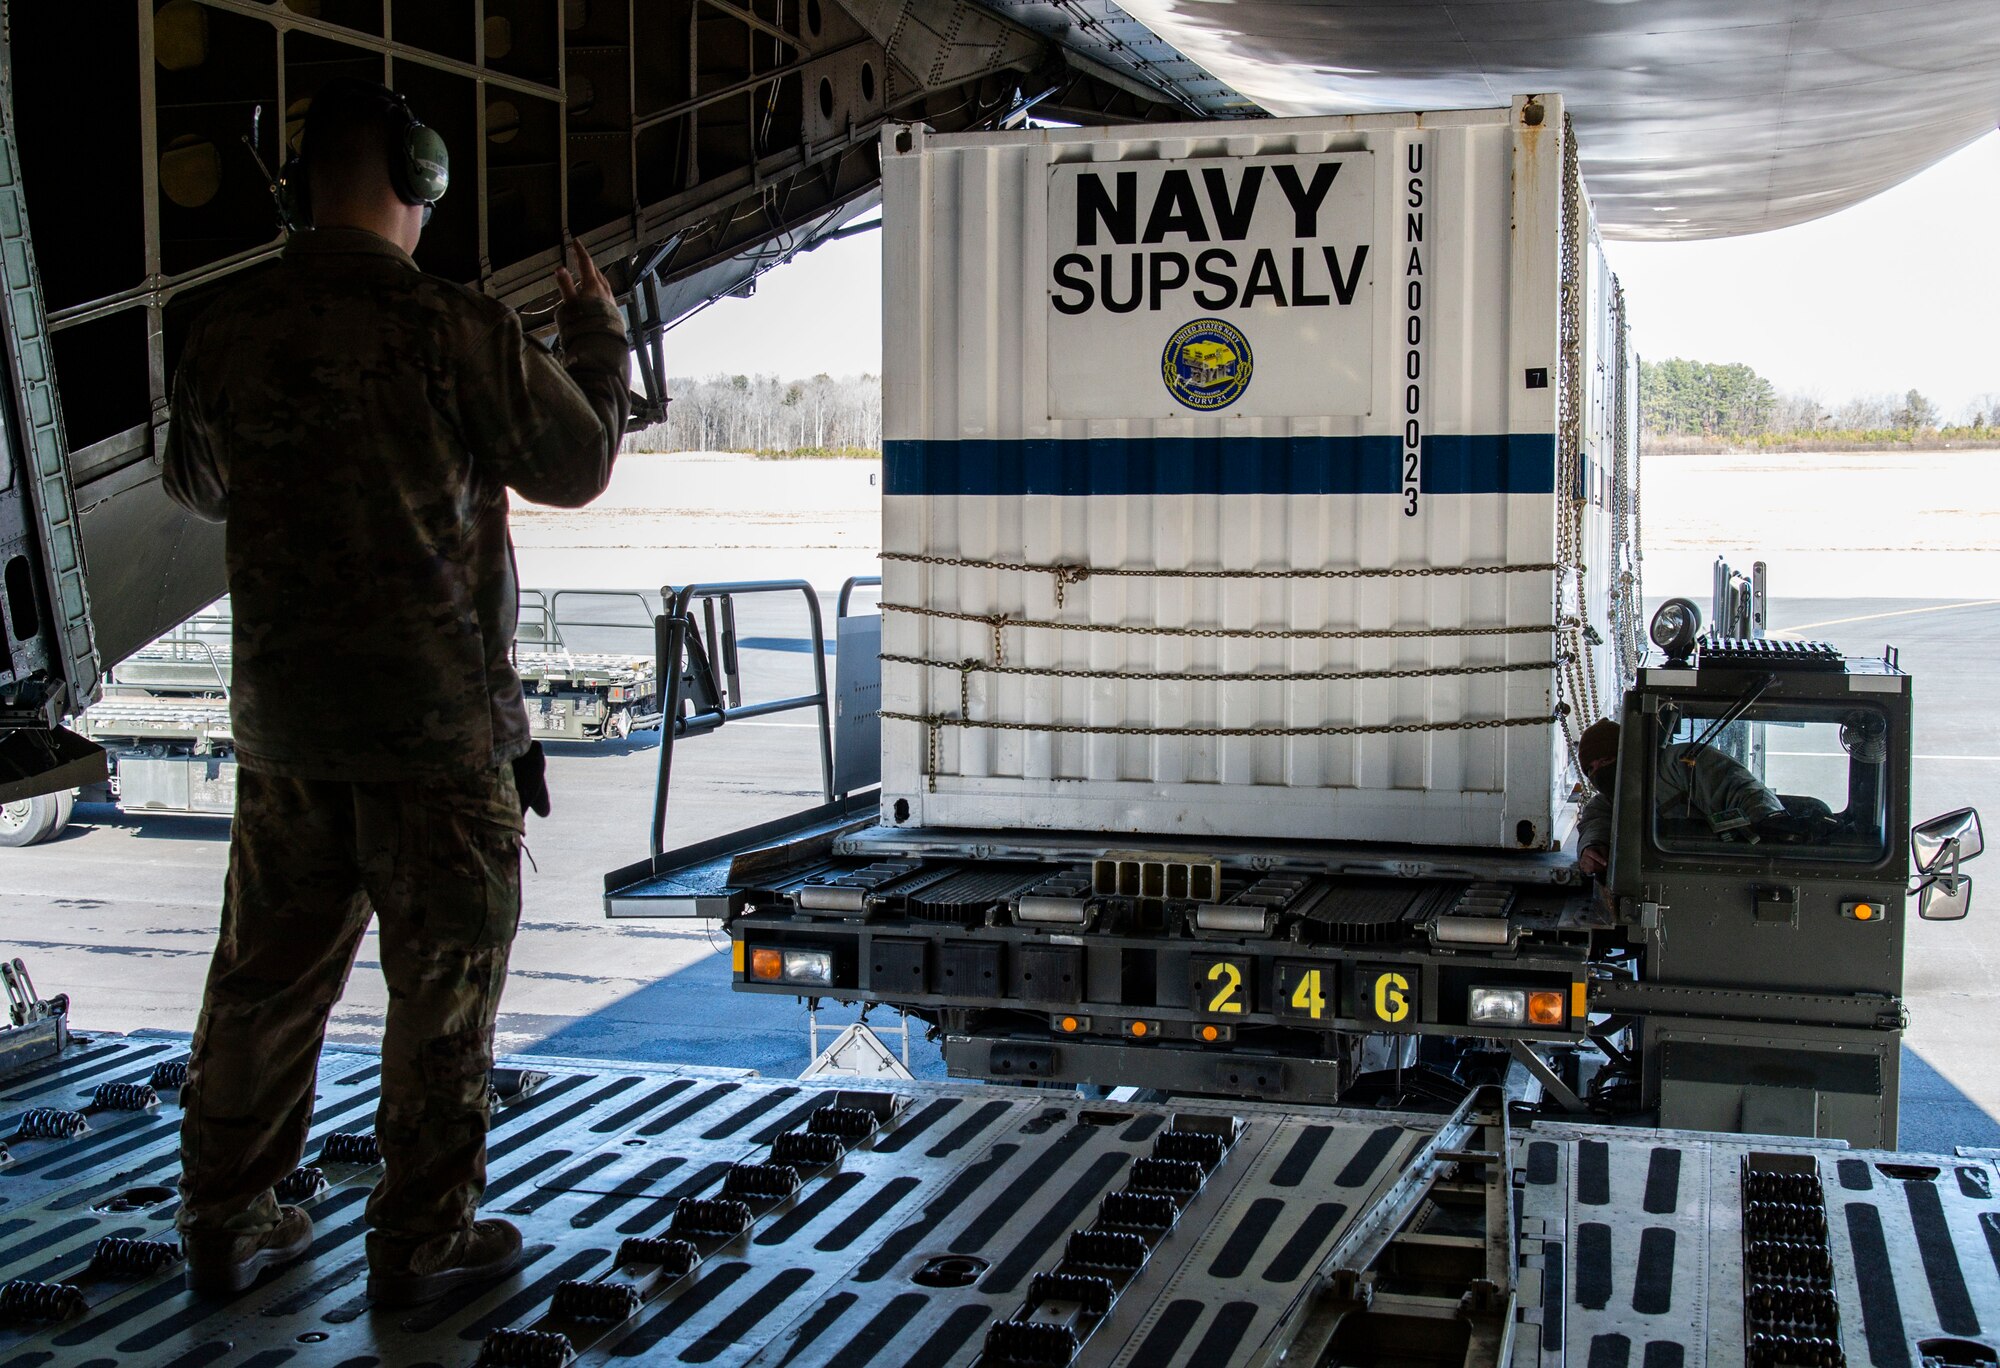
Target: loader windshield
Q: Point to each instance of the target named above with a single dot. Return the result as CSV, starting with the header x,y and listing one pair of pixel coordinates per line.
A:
x,y
1780,775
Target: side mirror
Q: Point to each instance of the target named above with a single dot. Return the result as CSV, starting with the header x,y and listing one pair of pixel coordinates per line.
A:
x,y
1944,842
1945,899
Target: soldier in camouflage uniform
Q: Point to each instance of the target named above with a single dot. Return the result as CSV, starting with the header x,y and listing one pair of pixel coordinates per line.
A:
x,y
1703,782
356,424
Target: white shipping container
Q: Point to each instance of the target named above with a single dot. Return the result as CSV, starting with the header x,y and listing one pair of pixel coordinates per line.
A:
x,y
1228,469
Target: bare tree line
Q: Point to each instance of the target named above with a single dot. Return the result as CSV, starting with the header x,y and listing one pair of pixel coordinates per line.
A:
x,y
823,416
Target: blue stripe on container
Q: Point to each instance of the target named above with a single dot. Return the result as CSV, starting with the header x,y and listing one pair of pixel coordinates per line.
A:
x,y
1487,464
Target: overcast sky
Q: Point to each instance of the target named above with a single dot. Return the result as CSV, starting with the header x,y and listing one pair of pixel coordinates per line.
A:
x,y
1900,292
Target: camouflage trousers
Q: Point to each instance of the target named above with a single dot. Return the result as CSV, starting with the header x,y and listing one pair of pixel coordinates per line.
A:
x,y
438,865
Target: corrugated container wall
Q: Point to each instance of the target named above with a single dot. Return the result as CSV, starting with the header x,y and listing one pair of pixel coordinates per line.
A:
x,y
1237,478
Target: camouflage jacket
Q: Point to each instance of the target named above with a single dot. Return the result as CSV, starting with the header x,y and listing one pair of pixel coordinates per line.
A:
x,y
1714,783
356,425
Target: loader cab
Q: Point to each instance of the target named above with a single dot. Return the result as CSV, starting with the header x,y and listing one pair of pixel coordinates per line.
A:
x,y
1764,787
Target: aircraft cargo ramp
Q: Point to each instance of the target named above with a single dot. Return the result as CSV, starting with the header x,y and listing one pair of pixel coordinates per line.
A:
x,y
699,1216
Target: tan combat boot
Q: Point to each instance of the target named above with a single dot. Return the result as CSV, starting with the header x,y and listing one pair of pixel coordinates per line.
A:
x,y
219,1262
485,1252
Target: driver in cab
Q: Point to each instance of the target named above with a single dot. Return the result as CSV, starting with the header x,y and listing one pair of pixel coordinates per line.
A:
x,y
1694,780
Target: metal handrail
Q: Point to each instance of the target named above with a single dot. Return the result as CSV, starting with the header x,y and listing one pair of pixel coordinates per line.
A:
x,y
847,590
546,604
645,624
670,639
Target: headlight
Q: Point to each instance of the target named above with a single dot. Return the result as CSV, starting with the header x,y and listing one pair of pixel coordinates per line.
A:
x,y
1675,627
1516,1007
809,966
769,965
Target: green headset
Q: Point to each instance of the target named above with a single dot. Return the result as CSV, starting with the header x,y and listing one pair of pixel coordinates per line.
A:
x,y
419,163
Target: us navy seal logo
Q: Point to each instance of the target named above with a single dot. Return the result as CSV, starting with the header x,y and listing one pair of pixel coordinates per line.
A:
x,y
1206,365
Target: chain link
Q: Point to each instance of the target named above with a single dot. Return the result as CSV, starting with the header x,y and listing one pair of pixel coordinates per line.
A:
x,y
1576,683
1068,574
935,724
1000,622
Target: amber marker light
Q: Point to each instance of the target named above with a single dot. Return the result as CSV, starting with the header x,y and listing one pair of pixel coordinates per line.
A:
x,y
1209,1033
1545,1008
1139,1030
1069,1023
767,964
1864,911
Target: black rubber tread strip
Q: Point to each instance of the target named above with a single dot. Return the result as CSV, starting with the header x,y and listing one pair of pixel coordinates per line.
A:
x,y
1593,1265
1940,1256
1854,1175
621,1119
270,1358
1019,1194
1989,1226
54,1235
823,1195
661,1209
608,1202
1555,1304
1610,1351
202,1355
533,1125
962,1134
1593,1173
737,1326
824,1315
1300,1251
1665,1354
1225,1333
863,1218
1542,1162
953,1195
1246,1236
1653,1284
329,1281
681,1111
909,1129
1054,1223
675,1311
1875,1281
941,1346
562,1185
1168,1334
517,1307
880,1333
1975,1183
1369,1157
743,1116
1142,1127
1663,1181
1302,1156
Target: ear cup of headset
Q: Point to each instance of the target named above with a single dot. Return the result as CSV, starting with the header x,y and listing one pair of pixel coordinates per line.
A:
x,y
425,165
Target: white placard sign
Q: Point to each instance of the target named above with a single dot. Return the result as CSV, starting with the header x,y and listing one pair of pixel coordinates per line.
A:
x,y
1229,287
